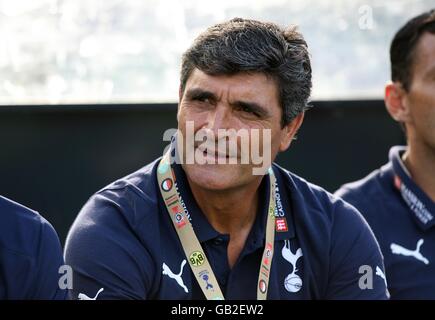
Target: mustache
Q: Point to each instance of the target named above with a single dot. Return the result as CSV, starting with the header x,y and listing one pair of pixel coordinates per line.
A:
x,y
221,148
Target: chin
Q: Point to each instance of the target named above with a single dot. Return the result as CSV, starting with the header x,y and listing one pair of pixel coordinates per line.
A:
x,y
213,177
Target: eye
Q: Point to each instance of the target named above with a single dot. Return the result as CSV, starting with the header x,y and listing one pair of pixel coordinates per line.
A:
x,y
248,110
201,99
204,97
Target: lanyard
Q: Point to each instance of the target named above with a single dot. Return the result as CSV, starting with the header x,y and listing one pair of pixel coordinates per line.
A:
x,y
198,261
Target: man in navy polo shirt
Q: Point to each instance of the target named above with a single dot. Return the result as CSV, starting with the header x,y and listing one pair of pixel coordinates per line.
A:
x,y
192,230
30,255
398,199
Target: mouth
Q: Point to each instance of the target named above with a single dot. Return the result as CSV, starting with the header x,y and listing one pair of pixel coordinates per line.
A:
x,y
216,155
212,155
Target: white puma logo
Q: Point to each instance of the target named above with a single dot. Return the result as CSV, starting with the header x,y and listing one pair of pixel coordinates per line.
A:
x,y
292,283
177,277
82,296
380,273
397,249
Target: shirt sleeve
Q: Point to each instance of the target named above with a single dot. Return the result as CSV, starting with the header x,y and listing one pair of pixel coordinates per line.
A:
x,y
29,265
108,260
48,261
356,264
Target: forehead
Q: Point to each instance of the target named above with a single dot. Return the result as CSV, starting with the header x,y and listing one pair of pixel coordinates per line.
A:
x,y
424,55
253,86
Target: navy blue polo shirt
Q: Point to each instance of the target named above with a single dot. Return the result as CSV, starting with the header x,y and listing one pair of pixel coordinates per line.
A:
x,y
30,255
402,218
123,245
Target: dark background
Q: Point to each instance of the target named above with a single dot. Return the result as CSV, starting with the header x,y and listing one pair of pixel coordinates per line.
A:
x,y
53,158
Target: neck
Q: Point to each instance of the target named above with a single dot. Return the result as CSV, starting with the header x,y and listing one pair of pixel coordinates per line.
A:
x,y
228,211
420,162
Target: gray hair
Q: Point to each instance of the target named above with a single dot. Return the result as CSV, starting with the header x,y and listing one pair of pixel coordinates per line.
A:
x,y
243,45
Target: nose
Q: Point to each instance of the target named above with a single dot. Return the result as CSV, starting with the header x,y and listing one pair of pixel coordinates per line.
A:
x,y
219,118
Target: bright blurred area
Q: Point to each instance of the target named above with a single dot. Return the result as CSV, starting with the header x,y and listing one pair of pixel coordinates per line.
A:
x,y
128,51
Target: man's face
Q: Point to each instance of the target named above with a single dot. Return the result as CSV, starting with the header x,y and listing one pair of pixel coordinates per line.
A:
x,y
244,101
421,96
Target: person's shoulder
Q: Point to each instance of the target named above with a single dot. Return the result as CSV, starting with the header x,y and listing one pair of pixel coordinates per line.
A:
x,y
322,210
14,210
140,183
335,233
118,223
23,229
300,184
130,193
123,205
370,193
30,254
315,200
370,186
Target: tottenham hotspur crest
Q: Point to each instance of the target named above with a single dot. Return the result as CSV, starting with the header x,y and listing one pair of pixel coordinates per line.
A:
x,y
293,282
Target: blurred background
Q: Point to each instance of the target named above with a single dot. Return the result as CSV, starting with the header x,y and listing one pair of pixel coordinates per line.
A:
x,y
87,88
